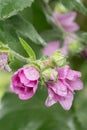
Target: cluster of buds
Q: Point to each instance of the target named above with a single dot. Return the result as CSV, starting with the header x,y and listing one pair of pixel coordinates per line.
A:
x,y
60,80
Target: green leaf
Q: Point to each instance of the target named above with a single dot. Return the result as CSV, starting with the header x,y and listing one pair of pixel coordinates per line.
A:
x,y
8,36
25,28
9,8
36,16
75,4
33,115
28,49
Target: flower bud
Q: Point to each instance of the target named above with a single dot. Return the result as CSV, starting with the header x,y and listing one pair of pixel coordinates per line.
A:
x,y
58,58
45,63
60,8
4,62
75,47
50,74
4,58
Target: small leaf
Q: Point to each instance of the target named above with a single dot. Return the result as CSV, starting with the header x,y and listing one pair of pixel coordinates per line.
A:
x,y
28,49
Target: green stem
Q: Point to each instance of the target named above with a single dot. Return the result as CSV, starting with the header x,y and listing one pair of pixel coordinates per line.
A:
x,y
21,58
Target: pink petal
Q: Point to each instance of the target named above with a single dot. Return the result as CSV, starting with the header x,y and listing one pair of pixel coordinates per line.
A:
x,y
17,89
66,102
31,90
71,28
26,95
62,72
50,48
31,73
23,78
7,67
49,101
69,16
66,21
16,80
59,88
32,83
35,88
76,85
73,75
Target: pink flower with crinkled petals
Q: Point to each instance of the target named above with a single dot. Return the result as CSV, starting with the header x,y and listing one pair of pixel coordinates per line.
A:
x,y
67,21
63,90
25,82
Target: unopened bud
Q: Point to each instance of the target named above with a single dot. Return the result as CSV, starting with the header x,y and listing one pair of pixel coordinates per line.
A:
x,y
75,47
4,58
58,58
4,62
45,63
60,8
50,75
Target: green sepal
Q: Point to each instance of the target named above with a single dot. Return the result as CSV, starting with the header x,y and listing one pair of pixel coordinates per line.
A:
x,y
28,49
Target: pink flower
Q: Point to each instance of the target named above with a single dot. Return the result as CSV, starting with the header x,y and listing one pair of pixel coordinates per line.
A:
x,y
54,46
67,21
25,82
4,62
63,90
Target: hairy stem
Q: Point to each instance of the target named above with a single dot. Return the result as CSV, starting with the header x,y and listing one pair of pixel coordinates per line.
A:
x,y
21,58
